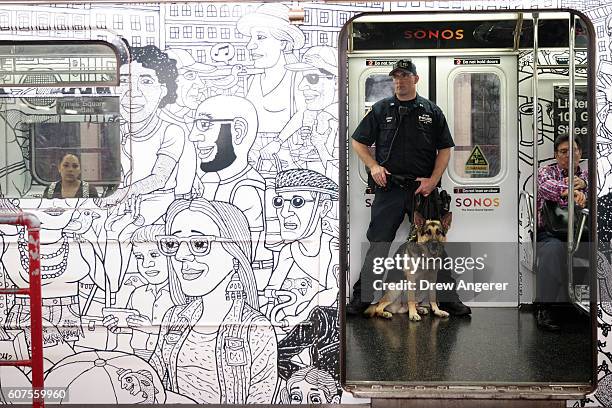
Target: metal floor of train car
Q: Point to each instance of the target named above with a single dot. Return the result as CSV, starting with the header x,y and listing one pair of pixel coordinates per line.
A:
x,y
493,345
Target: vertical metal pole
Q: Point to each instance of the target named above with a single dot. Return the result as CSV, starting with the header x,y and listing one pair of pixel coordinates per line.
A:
x,y
36,315
34,291
571,169
536,137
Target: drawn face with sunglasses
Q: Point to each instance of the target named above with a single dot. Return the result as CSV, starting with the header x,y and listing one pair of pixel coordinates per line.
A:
x,y
319,88
198,258
300,214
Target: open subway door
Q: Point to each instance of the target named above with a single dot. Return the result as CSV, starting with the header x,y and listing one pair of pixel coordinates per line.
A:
x,y
478,93
471,66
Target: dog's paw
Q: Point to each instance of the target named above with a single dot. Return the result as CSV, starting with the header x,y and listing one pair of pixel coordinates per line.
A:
x,y
370,311
422,310
441,313
376,311
414,317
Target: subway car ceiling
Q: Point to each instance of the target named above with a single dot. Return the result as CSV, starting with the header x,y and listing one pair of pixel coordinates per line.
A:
x,y
509,31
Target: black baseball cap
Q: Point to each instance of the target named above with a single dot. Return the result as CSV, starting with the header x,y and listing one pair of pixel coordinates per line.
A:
x,y
403,65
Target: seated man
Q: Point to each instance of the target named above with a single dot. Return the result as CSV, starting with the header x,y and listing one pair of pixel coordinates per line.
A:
x,y
553,185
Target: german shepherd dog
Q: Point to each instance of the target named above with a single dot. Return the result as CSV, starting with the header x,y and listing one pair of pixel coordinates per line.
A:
x,y
429,245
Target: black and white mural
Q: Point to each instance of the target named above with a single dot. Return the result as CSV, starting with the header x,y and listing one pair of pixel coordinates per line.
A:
x,y
208,272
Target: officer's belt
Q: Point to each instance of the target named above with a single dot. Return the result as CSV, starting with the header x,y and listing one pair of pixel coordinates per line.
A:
x,y
405,182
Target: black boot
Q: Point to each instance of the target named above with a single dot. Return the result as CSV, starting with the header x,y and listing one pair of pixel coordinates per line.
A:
x,y
449,299
356,306
546,320
456,308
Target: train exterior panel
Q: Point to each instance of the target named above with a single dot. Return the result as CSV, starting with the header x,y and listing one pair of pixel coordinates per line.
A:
x,y
207,270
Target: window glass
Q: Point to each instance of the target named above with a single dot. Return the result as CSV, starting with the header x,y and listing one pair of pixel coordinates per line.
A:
x,y
477,125
96,144
377,87
35,142
59,100
45,64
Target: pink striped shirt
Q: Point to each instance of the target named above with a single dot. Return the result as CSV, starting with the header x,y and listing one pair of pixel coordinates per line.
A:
x,y
551,185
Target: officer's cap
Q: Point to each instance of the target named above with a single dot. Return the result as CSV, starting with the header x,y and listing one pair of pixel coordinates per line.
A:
x,y
405,65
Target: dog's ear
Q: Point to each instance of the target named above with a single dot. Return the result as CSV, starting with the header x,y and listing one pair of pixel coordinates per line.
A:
x,y
419,221
446,220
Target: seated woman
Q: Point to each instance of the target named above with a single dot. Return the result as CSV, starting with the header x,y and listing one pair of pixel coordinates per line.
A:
x,y
214,346
553,185
70,184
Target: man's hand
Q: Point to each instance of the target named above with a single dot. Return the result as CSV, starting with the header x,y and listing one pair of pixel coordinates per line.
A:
x,y
579,184
580,199
427,186
379,174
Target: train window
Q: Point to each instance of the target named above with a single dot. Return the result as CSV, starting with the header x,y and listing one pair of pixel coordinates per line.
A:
x,y
377,87
57,99
477,125
35,64
97,145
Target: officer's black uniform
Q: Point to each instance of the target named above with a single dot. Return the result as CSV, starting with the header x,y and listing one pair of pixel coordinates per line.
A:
x,y
408,135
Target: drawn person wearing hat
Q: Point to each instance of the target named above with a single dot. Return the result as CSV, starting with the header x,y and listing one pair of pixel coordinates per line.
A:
x,y
311,133
273,40
412,140
308,262
151,142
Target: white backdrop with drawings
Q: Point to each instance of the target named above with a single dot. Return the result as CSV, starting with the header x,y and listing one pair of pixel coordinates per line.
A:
x,y
235,149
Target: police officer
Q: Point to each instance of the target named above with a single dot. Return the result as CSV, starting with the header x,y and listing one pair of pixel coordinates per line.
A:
x,y
413,142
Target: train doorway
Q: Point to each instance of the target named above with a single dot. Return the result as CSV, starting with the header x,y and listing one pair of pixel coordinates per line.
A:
x,y
474,68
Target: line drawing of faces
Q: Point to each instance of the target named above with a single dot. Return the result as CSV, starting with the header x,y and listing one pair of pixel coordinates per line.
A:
x,y
147,92
303,198
272,42
208,244
201,260
271,34
190,85
239,115
206,241
150,262
148,82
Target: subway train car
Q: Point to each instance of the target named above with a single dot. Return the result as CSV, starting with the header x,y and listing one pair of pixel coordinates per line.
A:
x,y
164,282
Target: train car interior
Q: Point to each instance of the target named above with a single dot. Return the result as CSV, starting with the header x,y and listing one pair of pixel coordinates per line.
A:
x,y
508,83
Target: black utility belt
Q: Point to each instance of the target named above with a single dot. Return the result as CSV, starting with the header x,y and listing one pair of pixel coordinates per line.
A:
x,y
405,182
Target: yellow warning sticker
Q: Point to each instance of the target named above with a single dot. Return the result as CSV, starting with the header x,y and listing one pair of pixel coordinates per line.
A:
x,y
477,163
